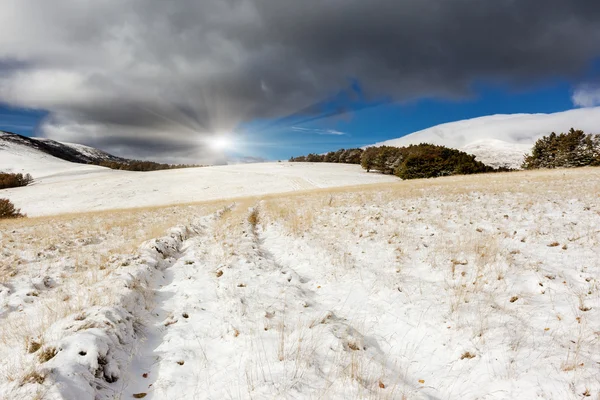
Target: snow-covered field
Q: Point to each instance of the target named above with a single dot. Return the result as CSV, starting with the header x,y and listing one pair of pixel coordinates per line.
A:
x,y
81,189
473,287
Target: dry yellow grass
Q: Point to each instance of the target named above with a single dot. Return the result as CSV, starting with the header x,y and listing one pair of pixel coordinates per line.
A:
x,y
520,181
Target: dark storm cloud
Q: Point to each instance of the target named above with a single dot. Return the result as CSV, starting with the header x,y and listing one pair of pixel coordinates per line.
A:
x,y
159,149
162,70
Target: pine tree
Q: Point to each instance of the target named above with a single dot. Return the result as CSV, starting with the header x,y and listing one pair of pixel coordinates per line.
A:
x,y
567,150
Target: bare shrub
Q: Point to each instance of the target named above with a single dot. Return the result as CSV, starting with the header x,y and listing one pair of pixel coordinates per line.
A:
x,y
8,210
8,180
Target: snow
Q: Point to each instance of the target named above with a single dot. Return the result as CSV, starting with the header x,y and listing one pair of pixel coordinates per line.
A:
x,y
83,190
501,140
470,287
401,293
92,345
497,153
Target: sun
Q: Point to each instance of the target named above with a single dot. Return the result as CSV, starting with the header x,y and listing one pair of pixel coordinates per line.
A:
x,y
220,142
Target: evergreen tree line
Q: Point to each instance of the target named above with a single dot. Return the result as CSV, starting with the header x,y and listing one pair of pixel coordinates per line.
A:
x,y
566,150
411,162
345,156
421,161
9,180
138,165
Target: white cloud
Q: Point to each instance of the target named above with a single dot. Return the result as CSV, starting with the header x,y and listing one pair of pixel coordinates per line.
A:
x,y
319,131
587,95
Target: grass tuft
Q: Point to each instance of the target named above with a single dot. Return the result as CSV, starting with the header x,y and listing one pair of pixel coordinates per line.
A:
x,y
47,354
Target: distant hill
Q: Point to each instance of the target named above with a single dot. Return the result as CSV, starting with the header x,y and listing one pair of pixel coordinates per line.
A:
x,y
502,140
43,158
76,153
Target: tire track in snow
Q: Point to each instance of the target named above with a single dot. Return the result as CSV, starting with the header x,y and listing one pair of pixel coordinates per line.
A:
x,y
209,314
143,368
231,322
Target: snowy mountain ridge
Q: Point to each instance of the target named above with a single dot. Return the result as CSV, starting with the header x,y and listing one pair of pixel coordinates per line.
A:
x,y
42,157
19,154
65,151
85,152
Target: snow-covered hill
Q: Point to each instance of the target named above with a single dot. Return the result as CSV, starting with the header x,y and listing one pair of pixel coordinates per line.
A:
x,y
502,140
43,157
61,186
84,153
18,155
73,189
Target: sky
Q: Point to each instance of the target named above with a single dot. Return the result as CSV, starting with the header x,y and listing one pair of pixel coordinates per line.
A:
x,y
246,80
